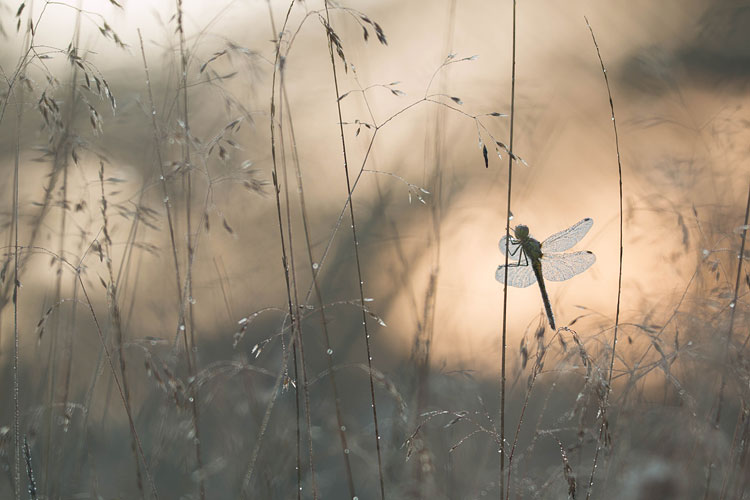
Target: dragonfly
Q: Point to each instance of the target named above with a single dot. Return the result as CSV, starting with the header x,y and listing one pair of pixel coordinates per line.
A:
x,y
533,262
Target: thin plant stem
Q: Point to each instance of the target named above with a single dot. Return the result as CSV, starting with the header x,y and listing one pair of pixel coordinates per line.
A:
x,y
355,242
16,286
286,350
20,73
538,363
728,341
295,297
308,245
604,421
124,400
187,301
504,344
289,274
117,323
62,152
162,174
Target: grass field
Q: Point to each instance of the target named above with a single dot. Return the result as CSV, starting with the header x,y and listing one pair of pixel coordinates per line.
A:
x,y
249,249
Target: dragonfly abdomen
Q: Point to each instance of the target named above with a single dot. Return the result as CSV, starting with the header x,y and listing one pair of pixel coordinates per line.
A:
x,y
537,267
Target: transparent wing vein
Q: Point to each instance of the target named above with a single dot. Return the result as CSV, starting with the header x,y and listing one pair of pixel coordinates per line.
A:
x,y
559,242
519,276
560,267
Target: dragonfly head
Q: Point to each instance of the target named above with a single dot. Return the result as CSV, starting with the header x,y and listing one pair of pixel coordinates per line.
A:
x,y
522,232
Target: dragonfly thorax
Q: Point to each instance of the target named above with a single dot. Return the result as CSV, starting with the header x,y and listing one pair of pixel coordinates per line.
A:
x,y
531,247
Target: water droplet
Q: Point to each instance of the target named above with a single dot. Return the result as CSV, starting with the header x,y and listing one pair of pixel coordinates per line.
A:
x,y
315,265
330,351
346,451
343,428
731,305
182,328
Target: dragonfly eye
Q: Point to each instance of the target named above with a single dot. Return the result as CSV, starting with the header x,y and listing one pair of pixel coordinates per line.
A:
x,y
522,232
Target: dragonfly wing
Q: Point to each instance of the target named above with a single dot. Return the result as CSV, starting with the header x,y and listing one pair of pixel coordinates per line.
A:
x,y
514,248
563,266
559,242
519,276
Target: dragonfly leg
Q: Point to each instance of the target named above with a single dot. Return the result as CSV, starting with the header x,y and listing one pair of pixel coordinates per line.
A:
x,y
522,260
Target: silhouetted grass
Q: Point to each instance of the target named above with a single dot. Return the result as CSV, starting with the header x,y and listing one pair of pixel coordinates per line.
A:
x,y
202,253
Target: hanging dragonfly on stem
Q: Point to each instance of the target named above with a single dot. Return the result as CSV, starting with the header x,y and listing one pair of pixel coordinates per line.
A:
x,y
531,261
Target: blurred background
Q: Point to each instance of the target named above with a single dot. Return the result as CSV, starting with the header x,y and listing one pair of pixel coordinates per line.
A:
x,y
150,224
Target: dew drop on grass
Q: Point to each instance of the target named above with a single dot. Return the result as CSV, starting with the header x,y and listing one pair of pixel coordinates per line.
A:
x,y
315,265
343,428
330,352
346,451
